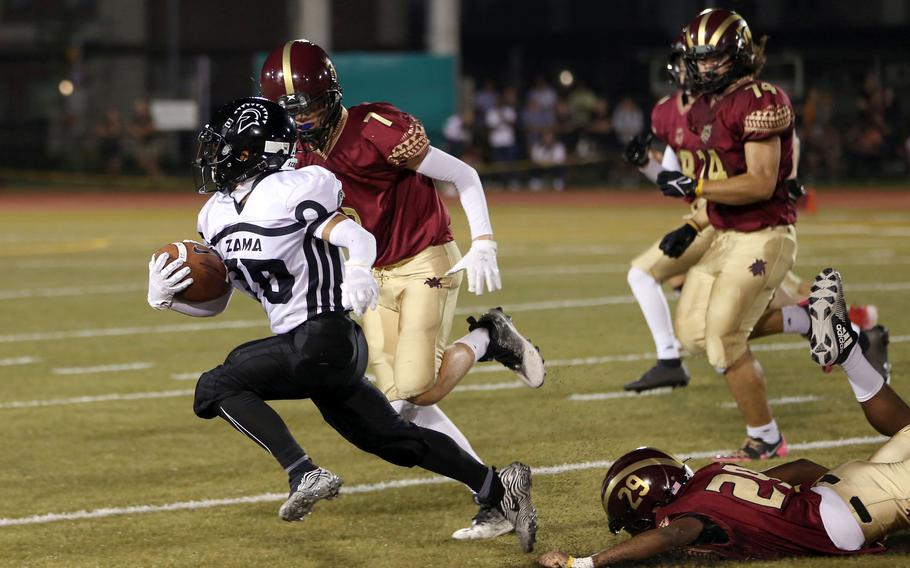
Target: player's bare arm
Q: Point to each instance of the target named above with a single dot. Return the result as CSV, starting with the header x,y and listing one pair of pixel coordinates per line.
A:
x,y
757,184
679,533
800,472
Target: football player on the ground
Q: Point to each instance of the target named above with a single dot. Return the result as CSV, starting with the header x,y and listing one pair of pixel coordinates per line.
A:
x,y
294,267
387,166
796,509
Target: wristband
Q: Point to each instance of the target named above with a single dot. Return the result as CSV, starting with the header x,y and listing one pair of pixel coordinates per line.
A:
x,y
586,562
699,188
694,225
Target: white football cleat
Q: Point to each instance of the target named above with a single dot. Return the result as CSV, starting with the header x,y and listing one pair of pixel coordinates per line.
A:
x,y
832,337
306,490
488,523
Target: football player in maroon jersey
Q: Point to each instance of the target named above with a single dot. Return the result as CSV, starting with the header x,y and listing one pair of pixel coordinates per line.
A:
x,y
799,508
745,130
680,249
387,168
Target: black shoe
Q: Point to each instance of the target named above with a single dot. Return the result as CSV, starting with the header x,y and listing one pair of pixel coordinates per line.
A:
x,y
660,376
510,347
877,352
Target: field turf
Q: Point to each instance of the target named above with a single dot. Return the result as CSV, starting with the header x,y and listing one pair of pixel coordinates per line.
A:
x,y
104,464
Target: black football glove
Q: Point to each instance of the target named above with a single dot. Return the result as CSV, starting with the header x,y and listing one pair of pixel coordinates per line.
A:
x,y
636,152
675,243
795,189
676,184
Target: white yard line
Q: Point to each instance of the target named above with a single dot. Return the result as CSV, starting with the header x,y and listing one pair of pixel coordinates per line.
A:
x,y
18,361
186,376
70,291
783,400
374,487
491,368
103,368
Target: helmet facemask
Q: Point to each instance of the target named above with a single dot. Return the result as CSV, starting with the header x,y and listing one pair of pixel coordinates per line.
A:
x,y
323,113
211,152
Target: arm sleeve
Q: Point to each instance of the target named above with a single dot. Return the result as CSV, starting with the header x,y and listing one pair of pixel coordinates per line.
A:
x,y
440,165
361,244
202,309
670,160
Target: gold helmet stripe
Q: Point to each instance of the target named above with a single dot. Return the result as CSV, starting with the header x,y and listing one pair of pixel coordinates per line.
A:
x,y
286,68
703,26
722,28
635,466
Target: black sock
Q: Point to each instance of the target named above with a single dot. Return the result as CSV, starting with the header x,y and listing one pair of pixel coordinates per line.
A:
x,y
446,458
492,492
863,341
673,363
252,417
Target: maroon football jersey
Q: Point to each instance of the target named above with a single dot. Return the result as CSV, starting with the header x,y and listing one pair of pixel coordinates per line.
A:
x,y
400,207
668,123
753,111
762,517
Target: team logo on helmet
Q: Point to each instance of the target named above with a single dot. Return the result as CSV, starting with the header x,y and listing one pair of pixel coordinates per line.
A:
x,y
251,114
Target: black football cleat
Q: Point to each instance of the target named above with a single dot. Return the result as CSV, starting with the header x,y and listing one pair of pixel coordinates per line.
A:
x,y
832,337
510,348
877,351
660,376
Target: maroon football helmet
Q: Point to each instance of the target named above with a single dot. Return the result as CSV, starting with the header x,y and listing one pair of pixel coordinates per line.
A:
x,y
714,33
676,64
636,484
300,77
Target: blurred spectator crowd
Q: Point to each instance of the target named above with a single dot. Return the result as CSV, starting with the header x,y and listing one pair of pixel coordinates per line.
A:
x,y
546,138
129,142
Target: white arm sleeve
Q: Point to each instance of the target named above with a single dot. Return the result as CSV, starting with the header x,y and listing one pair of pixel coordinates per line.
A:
x,y
670,162
439,165
361,244
202,309
651,170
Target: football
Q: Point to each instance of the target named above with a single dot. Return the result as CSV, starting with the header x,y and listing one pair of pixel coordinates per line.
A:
x,y
207,270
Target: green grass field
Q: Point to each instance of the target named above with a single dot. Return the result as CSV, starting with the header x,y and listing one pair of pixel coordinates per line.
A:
x,y
96,403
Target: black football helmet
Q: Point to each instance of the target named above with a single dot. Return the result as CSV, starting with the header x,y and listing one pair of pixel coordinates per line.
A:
x,y
245,138
717,32
636,484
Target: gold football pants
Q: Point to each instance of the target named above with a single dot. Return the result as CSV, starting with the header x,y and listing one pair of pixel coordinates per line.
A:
x,y
408,332
729,288
878,490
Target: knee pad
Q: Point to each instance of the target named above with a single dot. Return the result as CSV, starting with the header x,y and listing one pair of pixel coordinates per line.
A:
x,y
210,390
688,338
725,350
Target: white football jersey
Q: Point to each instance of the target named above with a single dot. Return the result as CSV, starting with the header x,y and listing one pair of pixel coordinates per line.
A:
x,y
271,247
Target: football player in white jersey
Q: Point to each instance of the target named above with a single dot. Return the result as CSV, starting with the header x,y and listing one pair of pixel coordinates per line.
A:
x,y
279,231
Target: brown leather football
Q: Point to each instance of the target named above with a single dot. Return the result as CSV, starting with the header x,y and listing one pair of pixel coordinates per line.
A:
x,y
207,270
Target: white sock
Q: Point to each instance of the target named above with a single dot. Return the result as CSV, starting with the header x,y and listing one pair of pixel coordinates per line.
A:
x,y
796,320
434,418
653,304
477,341
767,433
864,379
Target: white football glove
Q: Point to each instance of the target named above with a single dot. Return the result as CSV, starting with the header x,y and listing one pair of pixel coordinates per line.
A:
x,y
359,290
165,280
481,268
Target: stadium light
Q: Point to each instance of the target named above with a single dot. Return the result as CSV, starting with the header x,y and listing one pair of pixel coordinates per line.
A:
x,y
566,78
65,87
